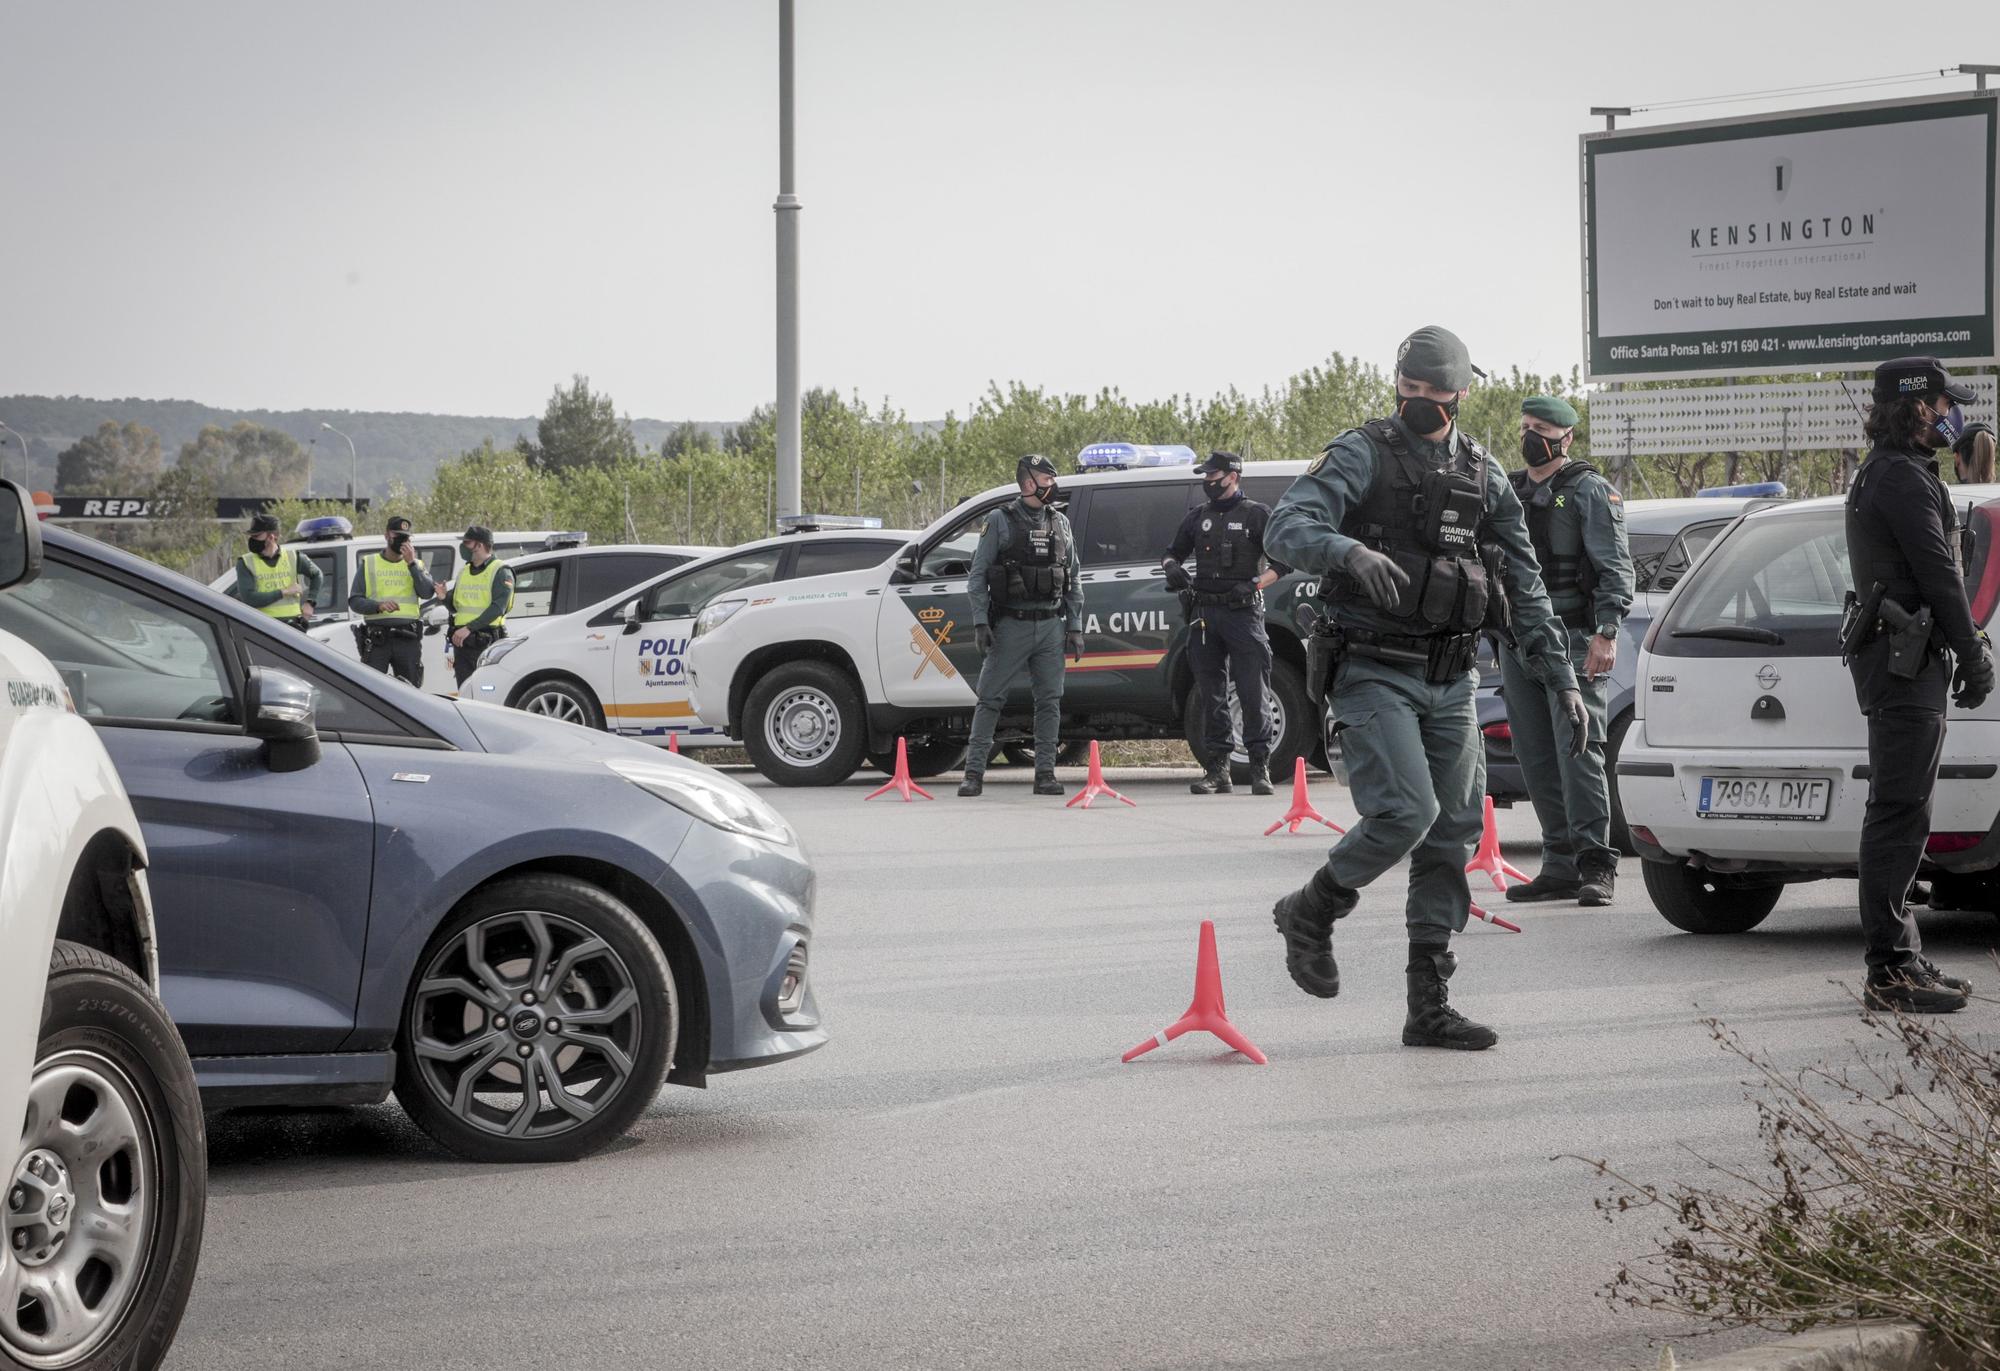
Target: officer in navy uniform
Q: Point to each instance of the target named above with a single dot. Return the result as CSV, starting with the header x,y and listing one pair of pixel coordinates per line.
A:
x,y
1027,614
1224,600
1902,550
1414,531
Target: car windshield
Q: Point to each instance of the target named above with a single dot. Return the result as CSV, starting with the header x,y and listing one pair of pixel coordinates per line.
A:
x,y
1778,582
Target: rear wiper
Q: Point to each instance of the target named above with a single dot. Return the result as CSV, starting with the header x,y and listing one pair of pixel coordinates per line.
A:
x,y
1735,633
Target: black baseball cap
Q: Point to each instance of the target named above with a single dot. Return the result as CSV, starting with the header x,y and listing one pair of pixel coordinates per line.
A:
x,y
1035,462
397,524
1222,461
479,533
264,523
1920,376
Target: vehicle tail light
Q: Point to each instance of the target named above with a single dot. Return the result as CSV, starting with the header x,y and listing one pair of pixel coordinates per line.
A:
x,y
1499,733
1643,834
1986,527
1953,842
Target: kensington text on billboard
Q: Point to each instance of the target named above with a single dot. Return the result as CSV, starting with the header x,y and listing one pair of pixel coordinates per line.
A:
x,y
1780,231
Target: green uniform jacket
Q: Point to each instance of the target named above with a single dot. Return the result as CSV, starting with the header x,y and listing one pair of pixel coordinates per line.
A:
x,y
1590,514
1305,533
988,552
246,584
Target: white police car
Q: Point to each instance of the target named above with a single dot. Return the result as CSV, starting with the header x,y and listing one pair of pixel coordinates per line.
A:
x,y
1747,765
621,663
817,680
104,1163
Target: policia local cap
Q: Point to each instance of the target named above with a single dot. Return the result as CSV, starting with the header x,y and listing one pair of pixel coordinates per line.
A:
x,y
1920,376
1435,356
1222,461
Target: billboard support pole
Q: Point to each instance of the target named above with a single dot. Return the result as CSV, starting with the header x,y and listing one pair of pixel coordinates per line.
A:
x,y
1978,71
1610,113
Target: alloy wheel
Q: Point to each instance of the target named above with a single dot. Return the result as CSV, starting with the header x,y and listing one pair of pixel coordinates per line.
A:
x,y
556,704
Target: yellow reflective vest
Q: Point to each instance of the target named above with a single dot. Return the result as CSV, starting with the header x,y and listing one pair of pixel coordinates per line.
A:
x,y
385,580
472,592
275,578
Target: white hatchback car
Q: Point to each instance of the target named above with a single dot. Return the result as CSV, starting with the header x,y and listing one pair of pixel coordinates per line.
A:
x,y
105,1180
1747,765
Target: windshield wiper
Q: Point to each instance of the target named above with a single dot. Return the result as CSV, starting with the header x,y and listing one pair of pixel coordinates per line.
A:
x,y
1735,633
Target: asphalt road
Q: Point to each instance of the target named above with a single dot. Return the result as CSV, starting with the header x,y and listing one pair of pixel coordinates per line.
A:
x,y
968,1177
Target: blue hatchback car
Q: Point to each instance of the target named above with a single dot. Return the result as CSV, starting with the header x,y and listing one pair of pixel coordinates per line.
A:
x,y
520,926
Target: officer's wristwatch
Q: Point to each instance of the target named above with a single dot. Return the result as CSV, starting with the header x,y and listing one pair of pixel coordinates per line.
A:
x,y
1608,631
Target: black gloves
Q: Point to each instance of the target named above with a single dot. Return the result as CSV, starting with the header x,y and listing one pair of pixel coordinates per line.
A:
x,y
1177,576
1381,579
1073,646
982,638
1973,681
1579,721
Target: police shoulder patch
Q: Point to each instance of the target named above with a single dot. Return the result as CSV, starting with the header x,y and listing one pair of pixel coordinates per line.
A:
x,y
1312,467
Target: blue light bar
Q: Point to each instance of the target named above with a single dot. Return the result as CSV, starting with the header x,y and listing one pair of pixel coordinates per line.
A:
x,y
1128,456
1756,489
813,523
325,527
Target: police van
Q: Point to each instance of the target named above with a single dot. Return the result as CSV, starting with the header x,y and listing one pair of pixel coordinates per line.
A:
x,y
816,681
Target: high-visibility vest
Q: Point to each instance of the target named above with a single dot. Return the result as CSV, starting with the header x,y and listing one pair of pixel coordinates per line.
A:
x,y
472,592
275,578
382,579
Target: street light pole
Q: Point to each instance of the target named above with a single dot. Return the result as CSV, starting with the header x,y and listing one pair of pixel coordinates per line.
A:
x,y
789,496
351,464
27,477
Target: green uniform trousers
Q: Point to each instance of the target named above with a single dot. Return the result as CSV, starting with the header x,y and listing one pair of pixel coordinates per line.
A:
x,y
1571,795
1417,775
1036,644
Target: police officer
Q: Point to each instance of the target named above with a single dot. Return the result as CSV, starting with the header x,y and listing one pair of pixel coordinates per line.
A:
x,y
1973,454
1027,612
1224,601
389,591
1901,548
1408,522
1577,524
277,579
479,600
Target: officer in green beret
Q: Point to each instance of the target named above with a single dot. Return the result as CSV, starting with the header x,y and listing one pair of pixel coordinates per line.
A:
x,y
1577,523
1419,542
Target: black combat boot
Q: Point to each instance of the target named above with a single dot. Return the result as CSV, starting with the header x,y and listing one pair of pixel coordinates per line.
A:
x,y
1544,887
1047,784
1305,921
972,785
1599,881
1260,776
1216,781
1918,988
1433,1022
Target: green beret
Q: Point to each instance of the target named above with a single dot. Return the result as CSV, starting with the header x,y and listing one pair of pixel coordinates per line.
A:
x,y
1550,409
1436,355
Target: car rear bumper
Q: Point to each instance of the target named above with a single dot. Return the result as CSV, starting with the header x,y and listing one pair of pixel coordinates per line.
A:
x,y
1659,789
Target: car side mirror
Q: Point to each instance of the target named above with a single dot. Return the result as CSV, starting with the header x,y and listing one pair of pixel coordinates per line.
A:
x,y
20,537
278,710
436,616
906,566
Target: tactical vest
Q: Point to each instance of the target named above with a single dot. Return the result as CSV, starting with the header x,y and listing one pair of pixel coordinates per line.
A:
x,y
1428,519
1034,561
1225,555
385,580
472,592
275,578
1567,571
1873,555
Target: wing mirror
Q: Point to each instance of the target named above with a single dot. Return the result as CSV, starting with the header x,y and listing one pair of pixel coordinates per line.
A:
x,y
278,710
906,566
20,537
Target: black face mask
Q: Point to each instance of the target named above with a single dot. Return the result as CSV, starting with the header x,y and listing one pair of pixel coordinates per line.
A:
x,y
1538,451
1424,415
262,548
1216,490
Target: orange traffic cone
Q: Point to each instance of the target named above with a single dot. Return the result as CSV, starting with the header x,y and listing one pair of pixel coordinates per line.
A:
x,y
1094,784
901,781
1205,1012
1479,913
1302,805
674,743
1488,858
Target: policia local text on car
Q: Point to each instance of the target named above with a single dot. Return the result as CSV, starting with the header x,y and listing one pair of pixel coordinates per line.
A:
x,y
276,579
1420,542
1577,524
479,600
389,592
1027,614
1223,603
1907,607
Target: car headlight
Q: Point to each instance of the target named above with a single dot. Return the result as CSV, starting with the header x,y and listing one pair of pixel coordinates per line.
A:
x,y
716,615
499,649
712,799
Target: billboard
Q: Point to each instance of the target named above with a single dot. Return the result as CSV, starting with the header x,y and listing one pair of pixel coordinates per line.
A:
x,y
1805,241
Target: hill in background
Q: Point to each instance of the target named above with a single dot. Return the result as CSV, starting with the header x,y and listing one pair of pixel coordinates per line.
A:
x,y
387,446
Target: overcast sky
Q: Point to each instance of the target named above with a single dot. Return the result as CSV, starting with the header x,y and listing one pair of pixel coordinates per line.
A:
x,y
451,207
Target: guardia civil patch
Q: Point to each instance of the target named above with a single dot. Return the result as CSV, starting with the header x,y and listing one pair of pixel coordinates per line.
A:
x,y
1312,468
